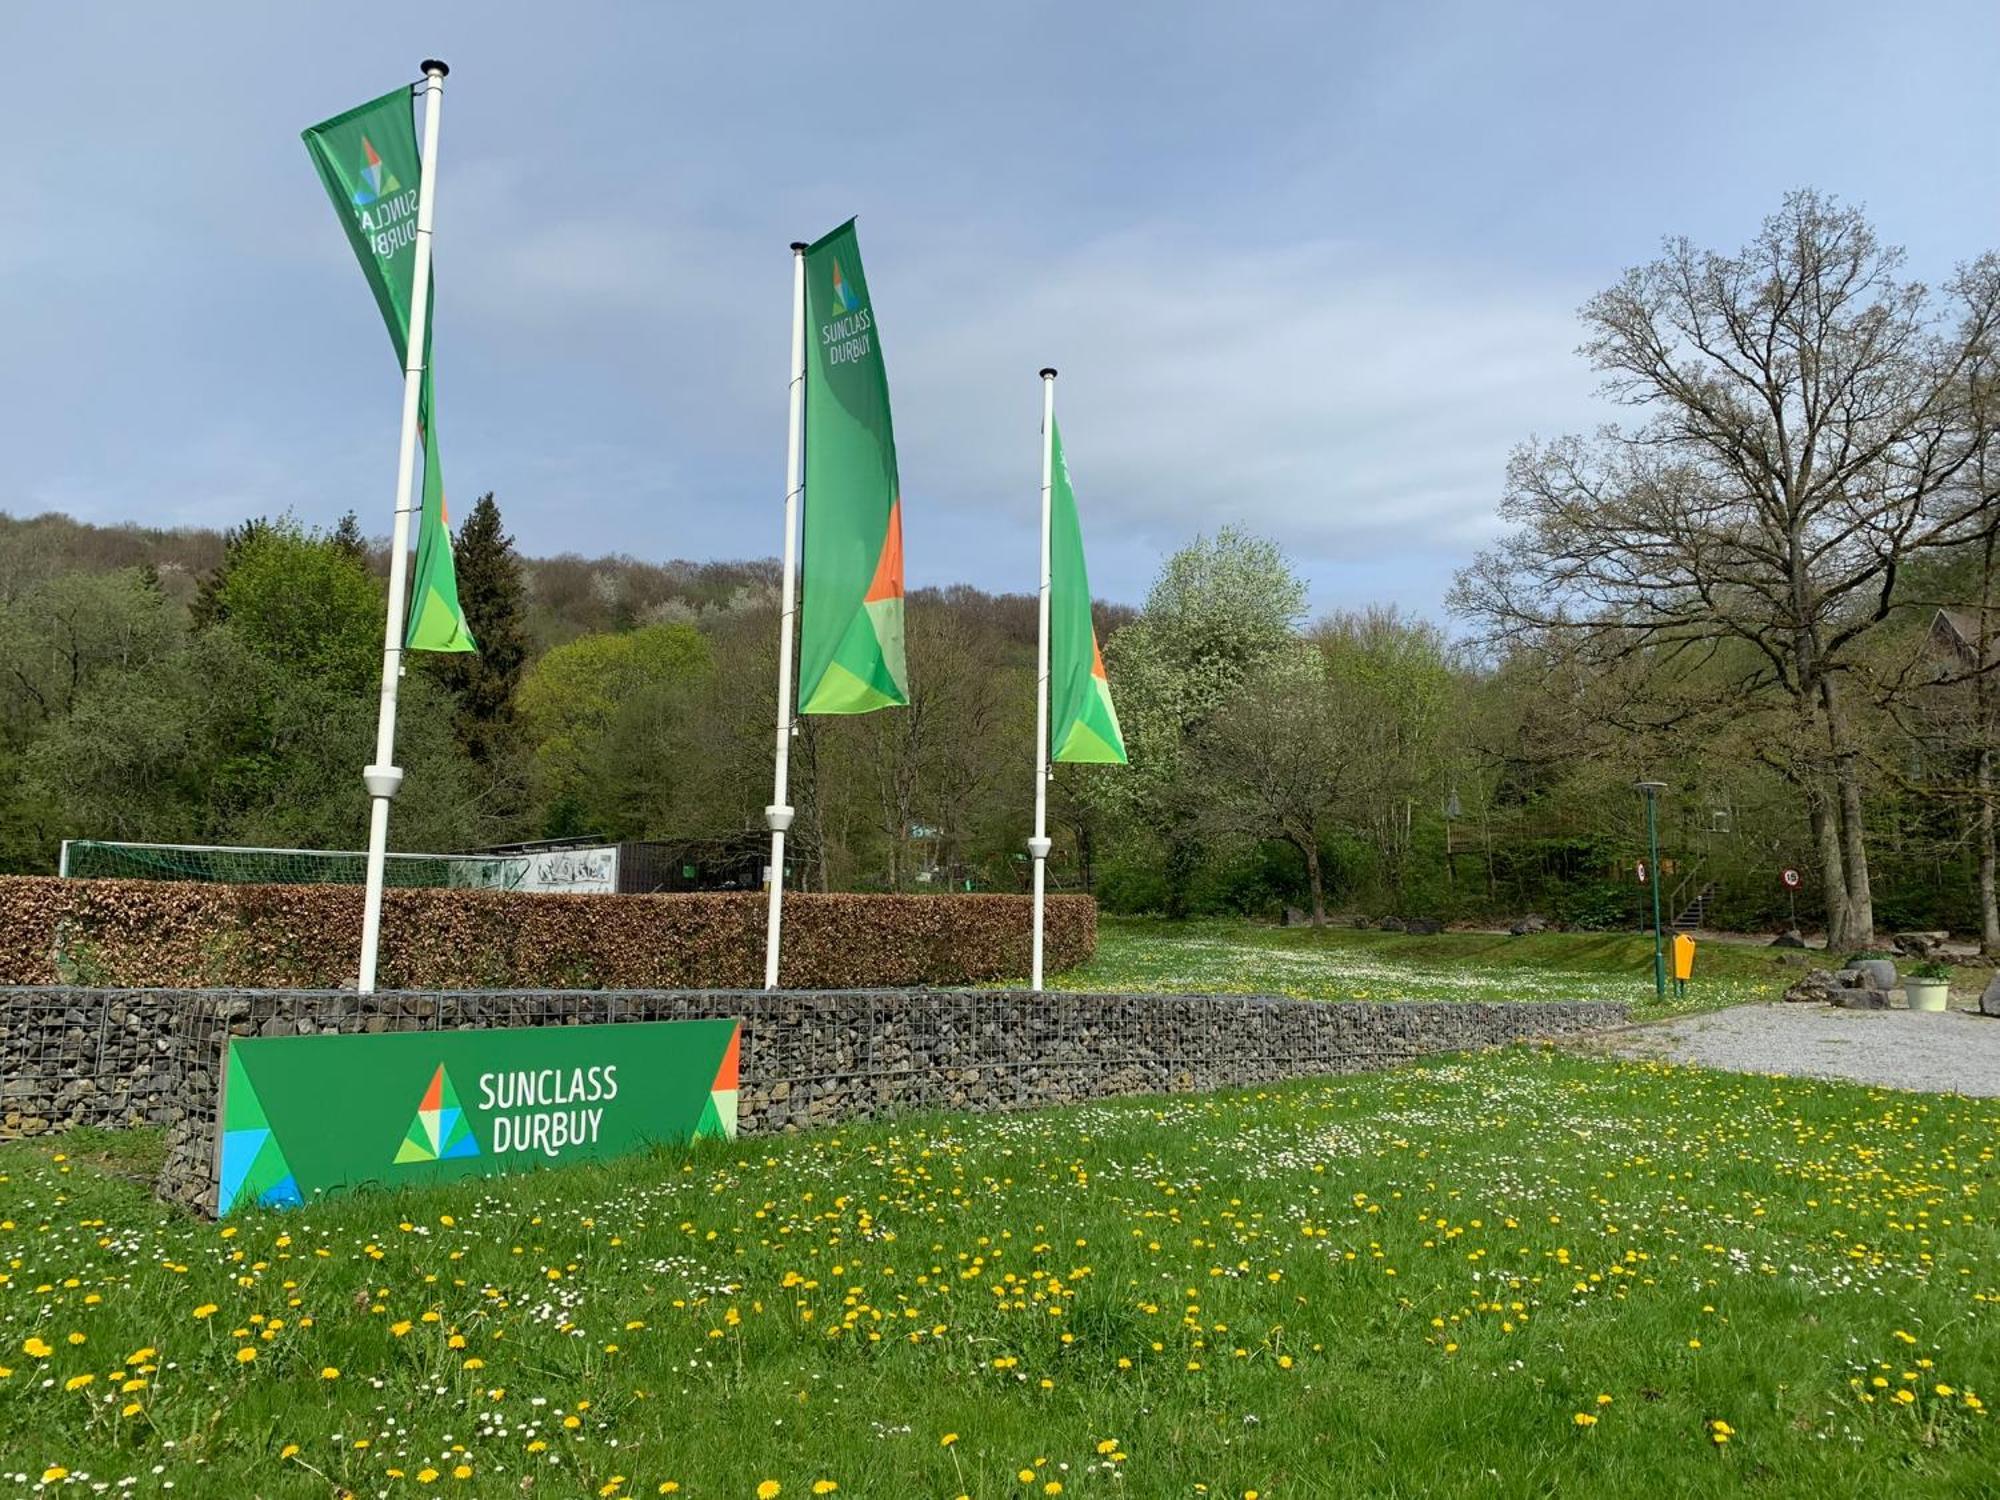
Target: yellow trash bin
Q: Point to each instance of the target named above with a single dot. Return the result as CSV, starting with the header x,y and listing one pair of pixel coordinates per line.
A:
x,y
1683,958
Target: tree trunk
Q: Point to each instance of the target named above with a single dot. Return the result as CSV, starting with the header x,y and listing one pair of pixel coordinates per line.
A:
x,y
1852,836
1310,848
1860,899
1182,857
1832,876
1989,907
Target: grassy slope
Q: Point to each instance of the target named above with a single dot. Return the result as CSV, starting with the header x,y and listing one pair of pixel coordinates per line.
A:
x,y
1402,1284
1338,963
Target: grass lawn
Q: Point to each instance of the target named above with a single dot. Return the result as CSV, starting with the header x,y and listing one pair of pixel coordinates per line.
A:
x,y
1229,956
1515,1274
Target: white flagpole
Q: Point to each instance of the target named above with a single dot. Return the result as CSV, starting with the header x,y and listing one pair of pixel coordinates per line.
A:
x,y
1038,846
778,816
383,777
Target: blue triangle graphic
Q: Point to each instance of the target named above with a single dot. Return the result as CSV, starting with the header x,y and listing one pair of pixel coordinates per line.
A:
x,y
239,1151
282,1195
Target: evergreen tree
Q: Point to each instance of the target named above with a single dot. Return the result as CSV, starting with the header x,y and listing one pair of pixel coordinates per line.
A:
x,y
347,539
492,594
208,608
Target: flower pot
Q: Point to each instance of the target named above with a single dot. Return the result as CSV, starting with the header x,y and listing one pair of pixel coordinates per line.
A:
x,y
1928,994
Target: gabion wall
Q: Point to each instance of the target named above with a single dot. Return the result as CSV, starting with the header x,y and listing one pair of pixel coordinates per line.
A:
x,y
809,1057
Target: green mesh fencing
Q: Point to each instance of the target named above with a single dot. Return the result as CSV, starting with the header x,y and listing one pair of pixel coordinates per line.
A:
x,y
93,859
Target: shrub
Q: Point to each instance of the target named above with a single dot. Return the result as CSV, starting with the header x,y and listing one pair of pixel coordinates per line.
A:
x,y
147,933
1930,968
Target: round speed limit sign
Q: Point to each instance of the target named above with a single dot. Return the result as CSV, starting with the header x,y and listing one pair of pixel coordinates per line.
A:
x,y
1790,879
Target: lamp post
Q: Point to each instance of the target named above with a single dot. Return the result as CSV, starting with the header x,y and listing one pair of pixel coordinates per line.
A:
x,y
1652,790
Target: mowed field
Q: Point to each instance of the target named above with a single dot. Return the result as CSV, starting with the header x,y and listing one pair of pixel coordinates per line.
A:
x,y
1234,957
1520,1273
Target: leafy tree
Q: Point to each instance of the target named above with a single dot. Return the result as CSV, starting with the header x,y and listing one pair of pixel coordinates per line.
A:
x,y
220,742
61,634
574,698
1397,696
1277,756
1221,608
301,600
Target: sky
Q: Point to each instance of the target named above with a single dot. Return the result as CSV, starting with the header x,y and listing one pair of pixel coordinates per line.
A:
x,y
1312,269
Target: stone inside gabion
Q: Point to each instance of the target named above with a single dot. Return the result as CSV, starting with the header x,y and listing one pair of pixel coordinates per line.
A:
x,y
809,1057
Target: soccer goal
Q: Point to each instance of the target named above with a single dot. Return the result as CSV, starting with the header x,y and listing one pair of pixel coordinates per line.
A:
x,y
99,859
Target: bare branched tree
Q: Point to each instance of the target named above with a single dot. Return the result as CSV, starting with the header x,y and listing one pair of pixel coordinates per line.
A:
x,y
1806,429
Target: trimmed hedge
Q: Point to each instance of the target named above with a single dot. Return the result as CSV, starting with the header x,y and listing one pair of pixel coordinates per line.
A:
x,y
151,933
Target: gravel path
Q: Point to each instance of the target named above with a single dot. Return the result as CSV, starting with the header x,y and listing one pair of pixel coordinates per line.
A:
x,y
1956,1052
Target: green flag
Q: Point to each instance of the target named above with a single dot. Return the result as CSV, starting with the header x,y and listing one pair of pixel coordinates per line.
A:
x,y
367,160
1083,726
851,630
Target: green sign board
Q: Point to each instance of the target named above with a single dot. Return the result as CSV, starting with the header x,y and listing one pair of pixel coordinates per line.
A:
x,y
304,1115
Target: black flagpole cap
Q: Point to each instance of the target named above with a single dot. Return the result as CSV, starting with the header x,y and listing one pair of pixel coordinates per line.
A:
x,y
1048,372
432,65
798,245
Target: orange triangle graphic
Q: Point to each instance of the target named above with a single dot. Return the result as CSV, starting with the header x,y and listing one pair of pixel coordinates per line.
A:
x,y
726,1075
434,1095
1097,660
888,582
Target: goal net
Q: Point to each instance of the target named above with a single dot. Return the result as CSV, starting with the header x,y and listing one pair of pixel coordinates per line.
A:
x,y
94,859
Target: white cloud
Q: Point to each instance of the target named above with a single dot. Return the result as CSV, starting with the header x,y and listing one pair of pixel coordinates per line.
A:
x,y
1347,405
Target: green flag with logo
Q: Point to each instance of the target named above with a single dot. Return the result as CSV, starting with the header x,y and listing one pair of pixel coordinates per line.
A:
x,y
1083,726
367,159
851,617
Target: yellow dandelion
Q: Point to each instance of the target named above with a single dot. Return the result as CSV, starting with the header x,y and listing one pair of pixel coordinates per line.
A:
x,y
824,1486
246,1354
78,1382
329,1373
1585,1419
206,1310
288,1450
767,1489
36,1349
